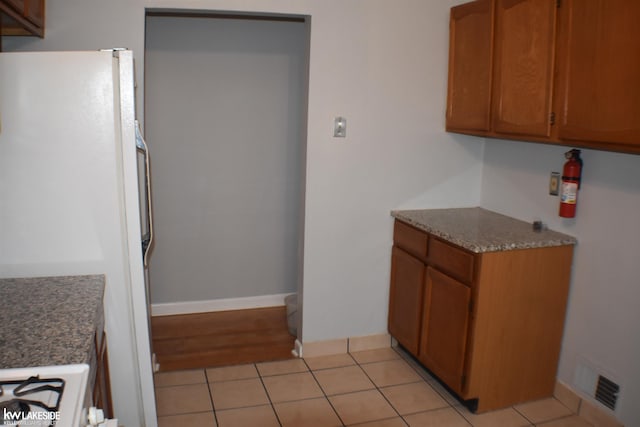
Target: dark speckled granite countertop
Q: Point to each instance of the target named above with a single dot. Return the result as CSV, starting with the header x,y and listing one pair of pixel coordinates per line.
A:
x,y
480,230
49,320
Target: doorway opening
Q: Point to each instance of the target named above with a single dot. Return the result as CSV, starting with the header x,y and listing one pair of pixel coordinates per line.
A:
x,y
225,119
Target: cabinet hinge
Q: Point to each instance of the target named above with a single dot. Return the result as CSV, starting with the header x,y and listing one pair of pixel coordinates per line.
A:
x,y
552,118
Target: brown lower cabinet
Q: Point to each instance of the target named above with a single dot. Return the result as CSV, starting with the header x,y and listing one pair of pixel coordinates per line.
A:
x,y
488,325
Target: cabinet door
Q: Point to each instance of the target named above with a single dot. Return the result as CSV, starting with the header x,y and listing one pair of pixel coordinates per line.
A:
x,y
405,299
470,56
600,79
444,329
525,35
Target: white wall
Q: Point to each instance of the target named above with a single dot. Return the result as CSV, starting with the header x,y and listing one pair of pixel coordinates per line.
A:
x,y
223,113
602,322
389,80
382,65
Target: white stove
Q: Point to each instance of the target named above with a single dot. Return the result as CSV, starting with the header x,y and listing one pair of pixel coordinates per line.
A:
x,y
47,396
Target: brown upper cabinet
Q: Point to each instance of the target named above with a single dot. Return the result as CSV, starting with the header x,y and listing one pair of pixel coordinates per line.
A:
x,y
22,18
553,71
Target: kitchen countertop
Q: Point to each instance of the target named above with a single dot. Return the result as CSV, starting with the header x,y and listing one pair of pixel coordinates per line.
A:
x,y
49,320
480,230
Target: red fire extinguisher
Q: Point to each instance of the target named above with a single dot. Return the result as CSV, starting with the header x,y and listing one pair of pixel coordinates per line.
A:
x,y
571,174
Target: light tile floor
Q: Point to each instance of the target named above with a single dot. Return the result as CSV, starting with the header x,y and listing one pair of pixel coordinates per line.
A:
x,y
376,388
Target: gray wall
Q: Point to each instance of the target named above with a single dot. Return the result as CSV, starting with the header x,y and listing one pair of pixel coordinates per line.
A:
x,y
223,119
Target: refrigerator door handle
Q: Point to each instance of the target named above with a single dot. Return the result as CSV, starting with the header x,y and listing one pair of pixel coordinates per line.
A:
x,y
147,237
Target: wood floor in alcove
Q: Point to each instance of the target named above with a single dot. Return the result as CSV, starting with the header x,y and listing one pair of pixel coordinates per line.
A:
x,y
223,338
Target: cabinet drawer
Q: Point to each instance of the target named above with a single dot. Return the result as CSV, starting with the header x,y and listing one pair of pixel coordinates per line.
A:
x,y
410,239
454,261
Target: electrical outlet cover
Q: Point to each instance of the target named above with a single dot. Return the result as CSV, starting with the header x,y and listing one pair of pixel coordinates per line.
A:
x,y
554,184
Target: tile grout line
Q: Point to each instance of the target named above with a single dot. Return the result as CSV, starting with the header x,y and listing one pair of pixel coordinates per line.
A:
x,y
456,407
213,405
449,405
380,391
420,371
462,415
323,392
421,380
259,377
325,396
266,392
542,423
531,423
423,374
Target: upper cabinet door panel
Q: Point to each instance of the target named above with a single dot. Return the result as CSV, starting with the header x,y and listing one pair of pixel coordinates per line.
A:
x,y
524,66
470,56
600,79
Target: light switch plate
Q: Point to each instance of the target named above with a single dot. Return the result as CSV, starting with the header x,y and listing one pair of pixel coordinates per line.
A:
x,y
340,127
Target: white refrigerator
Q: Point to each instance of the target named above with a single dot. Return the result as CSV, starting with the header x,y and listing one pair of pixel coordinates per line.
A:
x,y
70,197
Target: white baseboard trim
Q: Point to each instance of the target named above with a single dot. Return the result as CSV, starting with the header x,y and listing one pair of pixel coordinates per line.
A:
x,y
191,307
